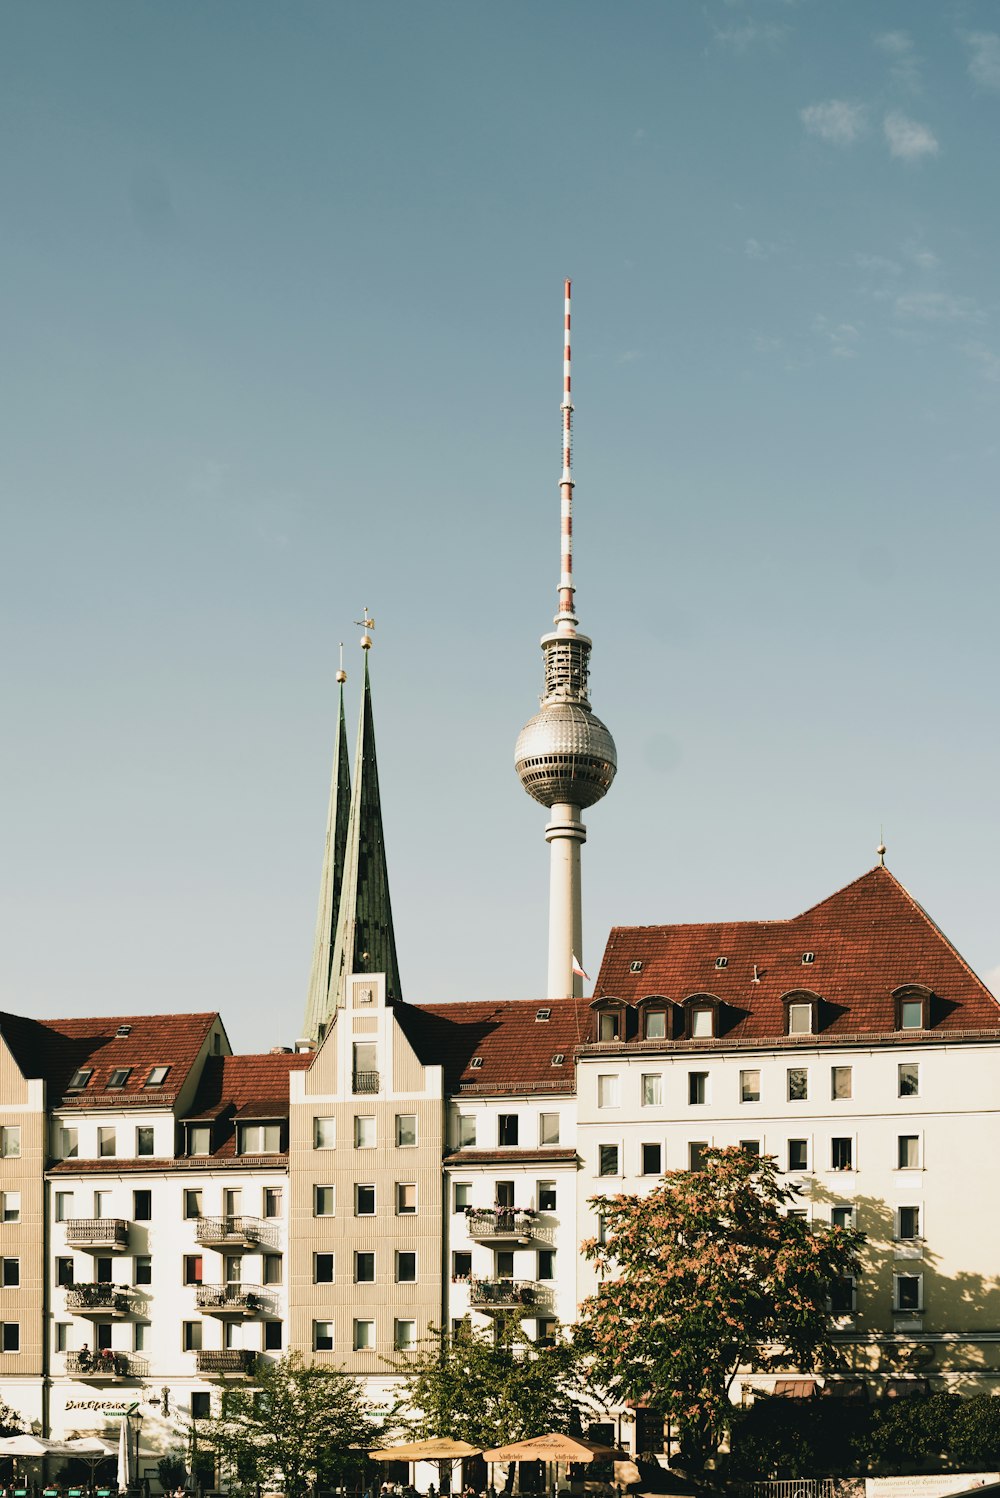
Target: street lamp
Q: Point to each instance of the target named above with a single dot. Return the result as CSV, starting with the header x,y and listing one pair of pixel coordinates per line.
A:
x,y
133,1416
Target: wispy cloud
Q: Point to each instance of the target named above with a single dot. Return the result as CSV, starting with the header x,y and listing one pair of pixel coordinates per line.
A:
x,y
988,364
919,255
761,249
629,356
878,265
936,306
984,58
747,34
842,337
908,139
904,64
839,121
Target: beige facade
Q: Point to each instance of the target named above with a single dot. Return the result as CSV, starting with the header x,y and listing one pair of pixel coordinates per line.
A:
x,y
22,1233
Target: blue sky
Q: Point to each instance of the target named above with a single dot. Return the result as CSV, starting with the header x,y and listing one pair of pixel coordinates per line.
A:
x,y
282,338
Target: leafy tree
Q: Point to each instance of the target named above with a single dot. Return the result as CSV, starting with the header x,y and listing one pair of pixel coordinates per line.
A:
x,y
171,1471
11,1423
297,1426
705,1275
489,1390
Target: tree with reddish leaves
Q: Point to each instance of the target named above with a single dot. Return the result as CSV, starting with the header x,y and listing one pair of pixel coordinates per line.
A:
x,y
704,1276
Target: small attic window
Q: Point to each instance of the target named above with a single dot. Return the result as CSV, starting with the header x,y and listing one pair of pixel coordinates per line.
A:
x,y
122,1031
476,1063
559,1058
721,962
542,1014
808,958
80,1078
157,1076
635,966
118,1077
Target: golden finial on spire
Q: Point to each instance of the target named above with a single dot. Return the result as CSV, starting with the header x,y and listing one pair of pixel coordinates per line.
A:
x,y
341,673
366,622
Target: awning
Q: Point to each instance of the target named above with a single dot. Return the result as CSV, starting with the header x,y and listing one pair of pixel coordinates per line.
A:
x,y
794,1388
436,1449
906,1388
554,1447
846,1388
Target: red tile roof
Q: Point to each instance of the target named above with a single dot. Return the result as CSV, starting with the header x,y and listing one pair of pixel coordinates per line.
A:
x,y
243,1087
544,1155
516,1048
868,939
56,1048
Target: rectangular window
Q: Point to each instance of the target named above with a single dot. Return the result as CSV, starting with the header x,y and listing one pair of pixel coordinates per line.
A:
x,y
69,1142
80,1078
546,1196
545,1331
364,1335
750,1146
607,1027
142,1270
607,1160
503,1263
405,1335
232,1268
462,1195
798,1154
911,1014
364,1201
191,1336
103,1271
193,1269
503,1192
106,1142
10,1336
140,1331
907,1223
406,1130
259,1138
364,1132
548,1128
118,1078
656,1023
841,1083
507,1128
798,1084
546,1263
842,1216
800,1019
322,1269
842,1296
199,1139
702,1024
466,1130
272,1201
102,1203
324,1133
461,1265
322,1201
142,1206
406,1197
749,1086
62,1336
64,1271
10,1205
652,1159
909,1079
10,1273
908,1292
908,1152
102,1333
201,1405
607,1091
696,1153
652,1090
272,1336
841,1154
697,1086
406,1267
322,1336
272,1266
192,1202
10,1141
364,1268
145,1140
157,1076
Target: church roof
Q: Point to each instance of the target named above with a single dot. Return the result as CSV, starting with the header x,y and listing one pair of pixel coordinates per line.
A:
x,y
331,878
866,942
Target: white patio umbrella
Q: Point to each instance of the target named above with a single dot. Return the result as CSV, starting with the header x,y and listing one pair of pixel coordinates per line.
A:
x,y
124,1456
25,1445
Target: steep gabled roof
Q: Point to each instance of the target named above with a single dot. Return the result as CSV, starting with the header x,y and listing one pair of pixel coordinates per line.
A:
x,y
867,940
516,1048
331,878
54,1049
244,1088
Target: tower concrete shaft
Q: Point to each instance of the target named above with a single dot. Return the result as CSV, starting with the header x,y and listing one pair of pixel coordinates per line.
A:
x,y
565,835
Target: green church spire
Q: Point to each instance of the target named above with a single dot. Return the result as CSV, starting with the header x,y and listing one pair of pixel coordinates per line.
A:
x,y
332,877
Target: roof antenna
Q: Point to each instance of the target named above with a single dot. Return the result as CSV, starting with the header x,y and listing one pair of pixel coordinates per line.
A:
x,y
565,619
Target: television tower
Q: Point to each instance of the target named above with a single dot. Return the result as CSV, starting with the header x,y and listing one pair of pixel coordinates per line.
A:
x,y
565,757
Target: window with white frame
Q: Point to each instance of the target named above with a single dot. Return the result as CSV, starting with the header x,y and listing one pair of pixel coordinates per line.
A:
x,y
607,1159
406,1130
907,1224
908,1152
461,1195
364,1200
259,1138
907,1292
701,1022
10,1336
911,1014
323,1197
364,1335
652,1089
10,1273
406,1267
908,1079
10,1141
655,1024
696,1153
323,1269
798,1154
68,1141
842,1215
145,1140
322,1336
406,1197
842,1153
199,1139
466,1130
507,1129
842,1296
192,1202
324,1133
548,1128
697,1087
405,1336
364,1267
607,1091
798,1084
750,1086
10,1205
841,1083
800,1019
651,1159
364,1132
546,1196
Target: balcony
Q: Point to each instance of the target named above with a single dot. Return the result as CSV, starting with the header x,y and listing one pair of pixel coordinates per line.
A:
x,y
231,1362
365,1081
230,1300
104,1366
106,1301
525,1296
491,1223
234,1232
97,1232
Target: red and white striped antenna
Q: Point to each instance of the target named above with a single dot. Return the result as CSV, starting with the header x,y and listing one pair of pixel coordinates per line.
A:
x,y
566,618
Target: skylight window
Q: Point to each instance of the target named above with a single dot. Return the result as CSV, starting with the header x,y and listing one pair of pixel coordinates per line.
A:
x,y
635,966
122,1031
542,1014
80,1078
808,958
157,1076
476,1063
721,962
118,1077
559,1058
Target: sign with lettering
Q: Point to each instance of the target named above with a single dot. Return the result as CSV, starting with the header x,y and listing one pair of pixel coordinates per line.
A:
x,y
927,1487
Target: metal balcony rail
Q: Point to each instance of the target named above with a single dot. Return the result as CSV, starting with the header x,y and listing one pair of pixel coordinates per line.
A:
x,y
505,1222
98,1232
241,1299
231,1360
106,1363
500,1295
214,1232
365,1081
98,1297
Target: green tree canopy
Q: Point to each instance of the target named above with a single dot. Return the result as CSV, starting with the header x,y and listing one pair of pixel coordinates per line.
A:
x,y
703,1276
489,1390
296,1426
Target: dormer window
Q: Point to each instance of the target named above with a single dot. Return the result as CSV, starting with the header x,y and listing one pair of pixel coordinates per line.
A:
x,y
655,1024
701,1017
80,1078
258,1138
913,1003
608,1025
199,1139
801,1012
118,1078
702,1023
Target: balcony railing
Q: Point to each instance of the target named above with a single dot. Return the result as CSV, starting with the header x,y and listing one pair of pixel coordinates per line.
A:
x,y
97,1232
230,1300
98,1300
105,1365
231,1362
365,1081
228,1232
509,1295
506,1222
